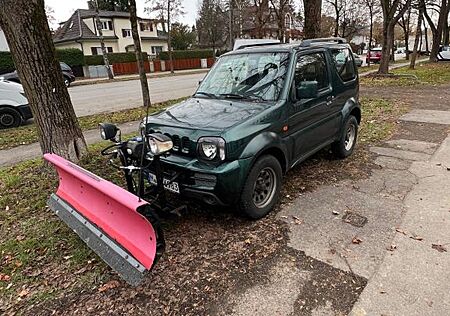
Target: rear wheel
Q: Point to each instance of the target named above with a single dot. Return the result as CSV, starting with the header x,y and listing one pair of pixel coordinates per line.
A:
x,y
9,118
344,147
262,188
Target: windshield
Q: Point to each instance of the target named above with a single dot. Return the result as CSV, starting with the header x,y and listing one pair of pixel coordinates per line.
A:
x,y
254,76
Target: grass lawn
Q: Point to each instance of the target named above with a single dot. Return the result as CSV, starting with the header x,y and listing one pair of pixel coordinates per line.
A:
x,y
42,260
27,134
426,73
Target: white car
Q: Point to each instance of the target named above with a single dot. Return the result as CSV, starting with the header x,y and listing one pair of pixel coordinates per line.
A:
x,y
14,108
444,53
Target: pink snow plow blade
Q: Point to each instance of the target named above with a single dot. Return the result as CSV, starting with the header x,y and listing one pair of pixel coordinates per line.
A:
x,y
107,218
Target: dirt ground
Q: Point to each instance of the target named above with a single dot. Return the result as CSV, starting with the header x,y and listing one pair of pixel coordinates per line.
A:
x,y
212,255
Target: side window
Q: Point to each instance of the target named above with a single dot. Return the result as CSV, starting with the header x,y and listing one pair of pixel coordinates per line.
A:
x,y
343,61
312,67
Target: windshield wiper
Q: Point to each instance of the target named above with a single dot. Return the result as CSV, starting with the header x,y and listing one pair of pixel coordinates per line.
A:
x,y
241,97
210,95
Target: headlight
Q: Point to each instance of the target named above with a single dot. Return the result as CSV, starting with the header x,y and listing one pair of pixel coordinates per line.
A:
x,y
159,143
211,148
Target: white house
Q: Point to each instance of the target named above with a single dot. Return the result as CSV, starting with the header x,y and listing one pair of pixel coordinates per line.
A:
x,y
80,32
3,44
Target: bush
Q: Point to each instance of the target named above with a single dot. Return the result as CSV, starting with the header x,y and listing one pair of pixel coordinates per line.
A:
x,y
186,54
70,56
6,62
114,58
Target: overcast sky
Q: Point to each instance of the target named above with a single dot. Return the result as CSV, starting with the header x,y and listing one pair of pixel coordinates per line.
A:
x,y
64,9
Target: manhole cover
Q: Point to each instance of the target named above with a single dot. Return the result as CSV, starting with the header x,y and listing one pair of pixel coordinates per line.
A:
x,y
354,219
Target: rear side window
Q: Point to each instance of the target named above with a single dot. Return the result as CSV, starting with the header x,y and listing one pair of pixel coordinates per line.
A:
x,y
312,68
343,61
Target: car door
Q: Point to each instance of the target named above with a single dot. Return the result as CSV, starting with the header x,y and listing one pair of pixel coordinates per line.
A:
x,y
309,121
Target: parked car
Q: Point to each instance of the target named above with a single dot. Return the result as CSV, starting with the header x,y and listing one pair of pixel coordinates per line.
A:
x,y
68,75
259,112
14,108
373,55
358,60
444,53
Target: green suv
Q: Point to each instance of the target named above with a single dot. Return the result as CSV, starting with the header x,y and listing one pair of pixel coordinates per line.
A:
x,y
259,112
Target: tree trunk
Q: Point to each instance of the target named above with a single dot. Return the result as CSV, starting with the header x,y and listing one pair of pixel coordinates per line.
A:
x,y
427,47
26,29
446,31
102,42
412,64
313,15
436,29
169,36
138,51
386,49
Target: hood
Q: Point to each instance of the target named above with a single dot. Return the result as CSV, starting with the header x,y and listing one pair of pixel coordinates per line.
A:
x,y
10,86
199,113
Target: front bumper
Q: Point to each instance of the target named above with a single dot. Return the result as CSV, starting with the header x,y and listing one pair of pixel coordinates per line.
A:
x,y
212,184
25,111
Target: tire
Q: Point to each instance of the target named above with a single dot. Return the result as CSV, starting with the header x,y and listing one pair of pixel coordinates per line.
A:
x,y
345,145
256,202
9,118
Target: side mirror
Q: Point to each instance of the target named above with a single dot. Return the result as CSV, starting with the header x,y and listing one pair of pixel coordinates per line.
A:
x,y
307,90
109,131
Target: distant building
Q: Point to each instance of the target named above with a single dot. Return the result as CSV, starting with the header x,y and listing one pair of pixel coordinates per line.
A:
x,y
80,31
3,44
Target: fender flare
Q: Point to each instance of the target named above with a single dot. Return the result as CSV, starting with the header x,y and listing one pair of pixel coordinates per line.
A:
x,y
266,142
350,106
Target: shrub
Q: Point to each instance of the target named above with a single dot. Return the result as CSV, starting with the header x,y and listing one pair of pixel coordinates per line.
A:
x,y
6,62
114,58
186,54
70,56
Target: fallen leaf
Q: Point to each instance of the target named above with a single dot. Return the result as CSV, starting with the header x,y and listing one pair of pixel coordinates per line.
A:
x,y
439,248
295,217
392,247
284,216
7,208
356,240
298,221
382,292
4,277
415,237
24,292
336,213
20,237
110,285
67,257
248,241
398,230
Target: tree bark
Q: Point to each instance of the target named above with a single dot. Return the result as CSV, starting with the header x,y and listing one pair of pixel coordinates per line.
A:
x,y
139,57
102,42
26,29
169,37
436,29
412,64
313,15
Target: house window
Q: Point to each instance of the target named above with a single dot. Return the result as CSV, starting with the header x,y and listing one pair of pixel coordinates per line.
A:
x,y
156,50
146,26
98,50
126,33
107,25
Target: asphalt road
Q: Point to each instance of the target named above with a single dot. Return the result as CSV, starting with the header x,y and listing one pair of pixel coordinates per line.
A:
x,y
114,96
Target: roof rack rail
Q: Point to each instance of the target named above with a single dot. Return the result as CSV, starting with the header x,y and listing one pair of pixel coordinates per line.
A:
x,y
256,45
308,42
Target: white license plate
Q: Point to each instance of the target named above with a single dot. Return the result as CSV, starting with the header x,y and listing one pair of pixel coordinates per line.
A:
x,y
169,186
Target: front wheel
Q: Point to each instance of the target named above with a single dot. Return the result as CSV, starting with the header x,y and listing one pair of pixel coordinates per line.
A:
x,y
345,145
9,118
262,188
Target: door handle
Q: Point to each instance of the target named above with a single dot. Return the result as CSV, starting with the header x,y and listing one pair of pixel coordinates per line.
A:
x,y
330,100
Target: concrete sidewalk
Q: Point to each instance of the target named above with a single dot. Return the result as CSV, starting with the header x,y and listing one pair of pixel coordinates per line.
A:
x,y
162,74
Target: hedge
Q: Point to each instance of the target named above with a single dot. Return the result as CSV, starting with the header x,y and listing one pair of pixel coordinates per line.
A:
x,y
186,54
6,62
113,58
70,56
